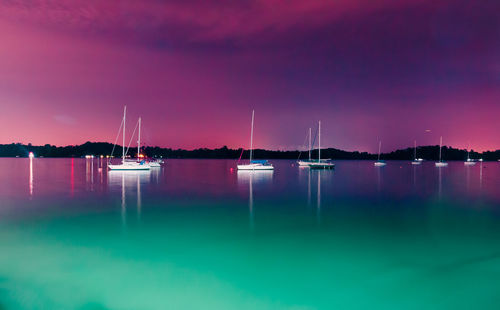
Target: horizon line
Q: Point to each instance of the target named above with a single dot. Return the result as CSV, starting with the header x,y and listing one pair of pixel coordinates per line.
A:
x,y
242,148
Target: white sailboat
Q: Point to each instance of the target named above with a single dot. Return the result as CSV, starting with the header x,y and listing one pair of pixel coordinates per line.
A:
x,y
321,164
130,164
156,163
469,161
416,161
441,163
379,163
255,164
306,163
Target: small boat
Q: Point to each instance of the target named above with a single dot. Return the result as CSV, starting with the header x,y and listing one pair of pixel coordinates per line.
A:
x,y
155,163
255,164
469,161
321,164
416,161
128,164
306,163
441,163
379,163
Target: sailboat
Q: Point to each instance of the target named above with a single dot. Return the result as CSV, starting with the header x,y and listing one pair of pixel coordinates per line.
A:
x,y
129,164
321,164
416,161
441,163
469,161
379,163
306,163
255,164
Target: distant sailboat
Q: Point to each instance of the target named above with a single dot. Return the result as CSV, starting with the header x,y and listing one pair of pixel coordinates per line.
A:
x,y
416,161
469,162
306,163
441,163
379,163
129,164
321,164
255,164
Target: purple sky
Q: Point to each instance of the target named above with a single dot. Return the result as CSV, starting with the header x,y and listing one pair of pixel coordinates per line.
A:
x,y
392,70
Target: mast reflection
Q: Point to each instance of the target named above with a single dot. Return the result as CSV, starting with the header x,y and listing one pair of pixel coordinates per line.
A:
x,y
318,205
31,177
440,184
128,182
481,175
249,176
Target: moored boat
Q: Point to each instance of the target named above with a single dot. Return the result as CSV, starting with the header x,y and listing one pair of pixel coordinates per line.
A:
x,y
127,164
379,162
255,164
441,163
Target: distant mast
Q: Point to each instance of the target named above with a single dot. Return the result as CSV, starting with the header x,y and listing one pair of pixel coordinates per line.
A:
x,y
440,146
309,144
379,148
123,145
468,152
251,137
415,151
139,140
319,141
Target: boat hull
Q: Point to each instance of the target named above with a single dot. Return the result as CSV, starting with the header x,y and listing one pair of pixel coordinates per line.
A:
x,y
129,166
416,162
304,163
379,164
255,167
321,165
441,164
469,163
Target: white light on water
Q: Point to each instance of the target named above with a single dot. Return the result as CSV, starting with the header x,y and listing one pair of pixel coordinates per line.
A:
x,y
31,155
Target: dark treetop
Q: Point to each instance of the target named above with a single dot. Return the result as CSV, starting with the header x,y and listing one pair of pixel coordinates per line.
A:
x,y
104,148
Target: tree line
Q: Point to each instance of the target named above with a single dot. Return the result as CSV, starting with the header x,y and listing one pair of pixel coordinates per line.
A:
x,y
104,149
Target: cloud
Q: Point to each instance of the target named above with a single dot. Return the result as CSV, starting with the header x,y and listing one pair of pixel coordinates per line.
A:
x,y
65,119
186,21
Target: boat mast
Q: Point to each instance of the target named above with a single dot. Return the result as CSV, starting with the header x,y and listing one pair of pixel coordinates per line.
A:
x,y
379,147
251,137
319,141
468,152
440,146
123,145
139,140
309,144
415,152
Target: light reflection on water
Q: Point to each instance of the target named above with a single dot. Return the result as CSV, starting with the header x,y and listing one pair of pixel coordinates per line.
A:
x,y
198,234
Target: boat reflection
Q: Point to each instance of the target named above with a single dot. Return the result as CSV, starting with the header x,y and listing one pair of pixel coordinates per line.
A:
x,y
31,177
251,177
256,176
440,184
89,172
128,181
481,175
318,205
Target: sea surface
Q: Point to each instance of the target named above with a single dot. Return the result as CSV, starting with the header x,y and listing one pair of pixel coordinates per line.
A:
x,y
197,234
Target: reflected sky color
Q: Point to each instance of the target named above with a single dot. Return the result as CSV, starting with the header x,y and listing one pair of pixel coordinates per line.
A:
x,y
198,234
369,70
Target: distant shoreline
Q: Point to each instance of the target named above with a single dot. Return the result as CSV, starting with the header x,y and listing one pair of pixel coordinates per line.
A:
x,y
288,159
103,148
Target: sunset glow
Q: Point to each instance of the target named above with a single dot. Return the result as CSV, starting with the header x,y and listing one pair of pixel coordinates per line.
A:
x,y
389,70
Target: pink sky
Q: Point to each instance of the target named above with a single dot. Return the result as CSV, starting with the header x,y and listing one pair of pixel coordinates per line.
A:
x,y
193,72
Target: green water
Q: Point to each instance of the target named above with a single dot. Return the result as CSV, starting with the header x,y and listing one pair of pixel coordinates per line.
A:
x,y
189,238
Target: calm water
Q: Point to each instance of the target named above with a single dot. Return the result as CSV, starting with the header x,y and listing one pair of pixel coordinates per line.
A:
x,y
196,234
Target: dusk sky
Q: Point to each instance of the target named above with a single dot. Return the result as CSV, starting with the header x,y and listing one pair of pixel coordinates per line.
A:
x,y
193,70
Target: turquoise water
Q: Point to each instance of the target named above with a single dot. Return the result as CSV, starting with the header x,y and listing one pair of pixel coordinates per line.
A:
x,y
196,234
